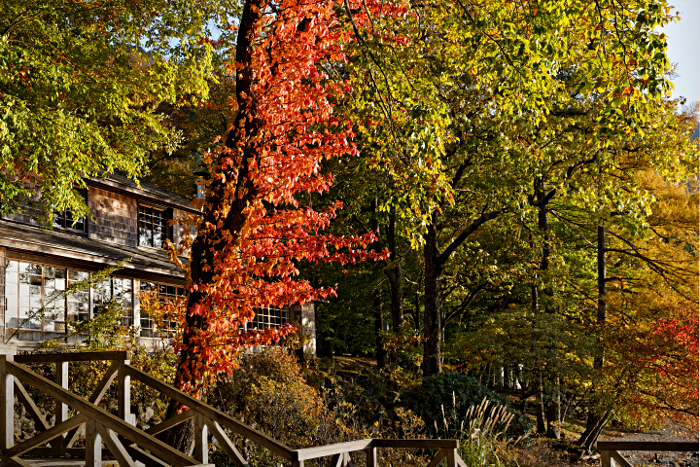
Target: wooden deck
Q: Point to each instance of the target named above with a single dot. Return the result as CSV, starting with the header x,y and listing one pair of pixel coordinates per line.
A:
x,y
116,437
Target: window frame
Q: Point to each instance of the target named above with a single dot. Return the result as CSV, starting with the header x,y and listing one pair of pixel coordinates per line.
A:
x,y
15,313
269,317
167,231
66,213
153,332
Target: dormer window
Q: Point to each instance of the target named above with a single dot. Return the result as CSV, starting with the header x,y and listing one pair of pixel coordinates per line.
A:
x,y
153,226
65,220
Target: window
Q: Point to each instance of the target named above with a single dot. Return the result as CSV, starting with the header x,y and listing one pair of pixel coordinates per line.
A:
x,y
30,286
64,219
149,324
118,289
268,317
78,304
55,312
153,226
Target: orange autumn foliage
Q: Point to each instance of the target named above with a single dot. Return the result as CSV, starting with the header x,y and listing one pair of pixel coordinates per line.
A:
x,y
254,231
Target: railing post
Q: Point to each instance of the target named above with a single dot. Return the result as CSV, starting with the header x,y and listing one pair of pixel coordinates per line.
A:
x,y
371,454
93,445
451,458
124,393
201,444
7,405
61,379
605,458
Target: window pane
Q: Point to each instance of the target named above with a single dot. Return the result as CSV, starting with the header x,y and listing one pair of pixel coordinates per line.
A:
x,y
101,294
147,324
75,276
152,227
65,218
29,295
148,286
79,223
54,304
79,302
59,219
147,327
11,286
159,228
145,226
123,296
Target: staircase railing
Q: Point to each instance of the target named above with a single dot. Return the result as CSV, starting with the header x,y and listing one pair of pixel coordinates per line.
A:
x,y
127,444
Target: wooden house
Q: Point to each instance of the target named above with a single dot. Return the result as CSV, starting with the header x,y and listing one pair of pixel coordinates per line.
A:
x,y
128,222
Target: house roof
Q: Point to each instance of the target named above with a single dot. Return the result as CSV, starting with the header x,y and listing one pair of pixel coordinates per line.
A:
x,y
147,191
65,246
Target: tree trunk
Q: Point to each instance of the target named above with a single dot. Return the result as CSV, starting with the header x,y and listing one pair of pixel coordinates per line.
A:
x,y
554,413
416,313
395,275
602,316
553,406
589,437
594,426
240,145
541,416
432,319
380,351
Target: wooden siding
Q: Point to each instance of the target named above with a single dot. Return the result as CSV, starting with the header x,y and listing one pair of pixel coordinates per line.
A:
x,y
116,217
3,301
26,213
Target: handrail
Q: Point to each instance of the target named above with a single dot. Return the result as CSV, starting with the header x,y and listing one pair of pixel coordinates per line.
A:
x,y
648,445
416,443
331,449
216,415
610,456
73,357
105,418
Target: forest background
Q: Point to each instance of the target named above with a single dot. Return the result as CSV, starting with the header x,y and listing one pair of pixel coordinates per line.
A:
x,y
518,171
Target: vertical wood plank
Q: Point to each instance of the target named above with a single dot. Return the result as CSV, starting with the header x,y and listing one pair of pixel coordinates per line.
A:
x,y
136,304
62,380
7,405
452,458
297,463
93,445
371,454
124,393
201,443
605,458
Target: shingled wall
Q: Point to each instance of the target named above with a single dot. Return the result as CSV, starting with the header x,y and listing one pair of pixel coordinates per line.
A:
x,y
116,217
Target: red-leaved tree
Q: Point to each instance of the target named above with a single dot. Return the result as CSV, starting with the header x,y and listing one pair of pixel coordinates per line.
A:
x,y
656,369
253,231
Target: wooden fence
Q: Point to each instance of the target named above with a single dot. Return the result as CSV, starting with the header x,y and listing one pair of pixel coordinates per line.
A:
x,y
127,444
610,456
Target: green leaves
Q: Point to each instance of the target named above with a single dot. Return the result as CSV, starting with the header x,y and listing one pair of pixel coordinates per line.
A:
x,y
81,87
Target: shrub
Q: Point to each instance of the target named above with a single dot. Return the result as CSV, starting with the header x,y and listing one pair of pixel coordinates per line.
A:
x,y
481,432
268,392
446,390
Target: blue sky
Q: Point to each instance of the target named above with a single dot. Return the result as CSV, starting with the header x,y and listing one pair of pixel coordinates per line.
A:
x,y
683,40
